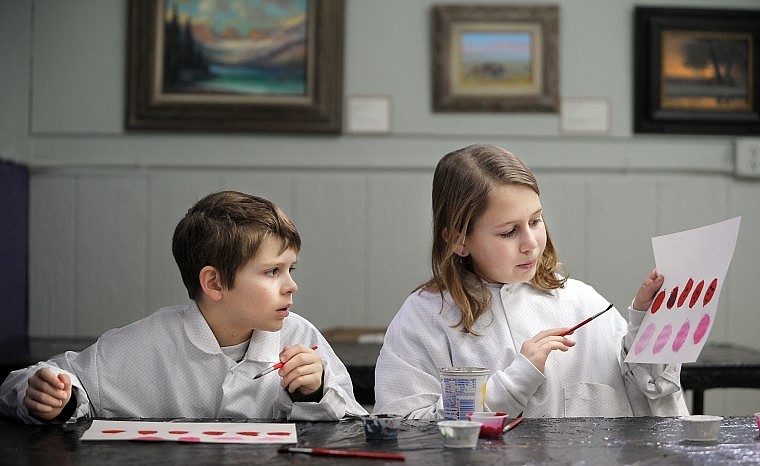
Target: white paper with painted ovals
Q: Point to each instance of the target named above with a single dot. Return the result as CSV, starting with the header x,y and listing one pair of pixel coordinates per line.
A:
x,y
694,263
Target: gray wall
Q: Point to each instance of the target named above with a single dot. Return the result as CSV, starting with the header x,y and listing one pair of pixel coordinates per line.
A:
x,y
104,203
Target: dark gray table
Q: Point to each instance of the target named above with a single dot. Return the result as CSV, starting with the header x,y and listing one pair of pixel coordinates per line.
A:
x,y
601,441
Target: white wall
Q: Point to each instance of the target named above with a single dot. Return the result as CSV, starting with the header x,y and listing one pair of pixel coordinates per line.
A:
x,y
104,203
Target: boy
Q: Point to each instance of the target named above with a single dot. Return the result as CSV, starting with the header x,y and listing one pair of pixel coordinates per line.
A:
x,y
235,253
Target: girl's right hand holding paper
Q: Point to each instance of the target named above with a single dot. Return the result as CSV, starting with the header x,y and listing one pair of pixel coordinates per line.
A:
x,y
47,394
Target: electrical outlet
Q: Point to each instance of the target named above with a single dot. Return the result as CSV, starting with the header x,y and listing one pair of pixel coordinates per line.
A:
x,y
748,157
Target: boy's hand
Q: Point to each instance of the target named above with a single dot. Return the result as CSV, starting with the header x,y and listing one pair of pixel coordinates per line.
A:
x,y
537,349
647,291
47,394
302,369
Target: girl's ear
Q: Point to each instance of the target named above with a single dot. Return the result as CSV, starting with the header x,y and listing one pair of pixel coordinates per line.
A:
x,y
459,248
211,283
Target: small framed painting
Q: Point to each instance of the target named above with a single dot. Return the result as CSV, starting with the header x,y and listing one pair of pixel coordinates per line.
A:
x,y
495,58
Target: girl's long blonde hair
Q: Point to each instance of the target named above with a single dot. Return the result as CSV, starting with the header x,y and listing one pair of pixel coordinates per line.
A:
x,y
461,184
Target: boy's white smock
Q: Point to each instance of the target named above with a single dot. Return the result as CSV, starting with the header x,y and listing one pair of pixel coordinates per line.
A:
x,y
170,365
590,379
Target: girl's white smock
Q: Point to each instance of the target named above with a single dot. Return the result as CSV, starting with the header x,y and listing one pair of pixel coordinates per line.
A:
x,y
590,379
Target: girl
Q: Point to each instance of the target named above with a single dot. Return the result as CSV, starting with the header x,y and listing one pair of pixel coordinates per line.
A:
x,y
496,300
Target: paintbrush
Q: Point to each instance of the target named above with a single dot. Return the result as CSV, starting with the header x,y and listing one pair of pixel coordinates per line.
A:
x,y
348,453
275,367
514,423
581,324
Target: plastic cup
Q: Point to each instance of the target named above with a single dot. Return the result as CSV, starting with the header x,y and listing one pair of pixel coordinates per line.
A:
x,y
701,427
459,434
464,391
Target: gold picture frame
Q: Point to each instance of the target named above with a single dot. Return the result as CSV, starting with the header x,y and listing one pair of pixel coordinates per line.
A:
x,y
494,58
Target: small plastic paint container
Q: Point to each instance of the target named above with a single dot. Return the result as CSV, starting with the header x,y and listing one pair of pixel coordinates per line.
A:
x,y
460,434
493,423
701,427
464,391
757,420
381,426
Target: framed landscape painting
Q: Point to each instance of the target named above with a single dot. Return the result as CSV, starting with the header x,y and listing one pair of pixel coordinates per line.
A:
x,y
696,71
249,65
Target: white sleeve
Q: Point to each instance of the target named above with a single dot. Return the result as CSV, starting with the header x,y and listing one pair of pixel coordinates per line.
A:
x,y
658,385
510,389
13,391
337,400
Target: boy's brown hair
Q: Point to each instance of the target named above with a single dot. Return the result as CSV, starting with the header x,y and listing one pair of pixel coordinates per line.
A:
x,y
225,230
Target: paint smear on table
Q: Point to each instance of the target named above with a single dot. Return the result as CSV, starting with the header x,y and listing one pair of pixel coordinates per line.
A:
x,y
192,432
694,263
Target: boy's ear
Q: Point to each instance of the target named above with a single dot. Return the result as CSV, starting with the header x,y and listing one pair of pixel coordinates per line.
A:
x,y
211,283
459,248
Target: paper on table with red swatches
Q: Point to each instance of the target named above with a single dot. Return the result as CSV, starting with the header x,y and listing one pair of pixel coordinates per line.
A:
x,y
694,263
192,432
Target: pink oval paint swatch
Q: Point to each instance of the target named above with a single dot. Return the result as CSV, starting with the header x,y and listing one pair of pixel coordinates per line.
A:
x,y
702,326
662,339
681,336
644,340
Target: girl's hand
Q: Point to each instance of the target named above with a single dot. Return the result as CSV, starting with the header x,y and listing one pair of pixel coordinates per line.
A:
x,y
537,349
647,291
47,394
302,369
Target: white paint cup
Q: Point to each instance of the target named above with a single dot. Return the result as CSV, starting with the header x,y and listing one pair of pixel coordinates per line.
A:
x,y
464,391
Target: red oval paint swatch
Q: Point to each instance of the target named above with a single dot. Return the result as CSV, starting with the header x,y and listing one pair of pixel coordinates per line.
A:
x,y
112,431
695,295
213,432
662,339
644,339
282,434
147,432
710,291
702,326
178,432
658,301
673,297
685,292
250,434
681,336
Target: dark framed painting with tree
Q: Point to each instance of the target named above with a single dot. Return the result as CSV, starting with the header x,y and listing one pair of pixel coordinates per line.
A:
x,y
695,71
249,65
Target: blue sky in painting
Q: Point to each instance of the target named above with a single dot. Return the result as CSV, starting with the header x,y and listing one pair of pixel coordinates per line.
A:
x,y
497,46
